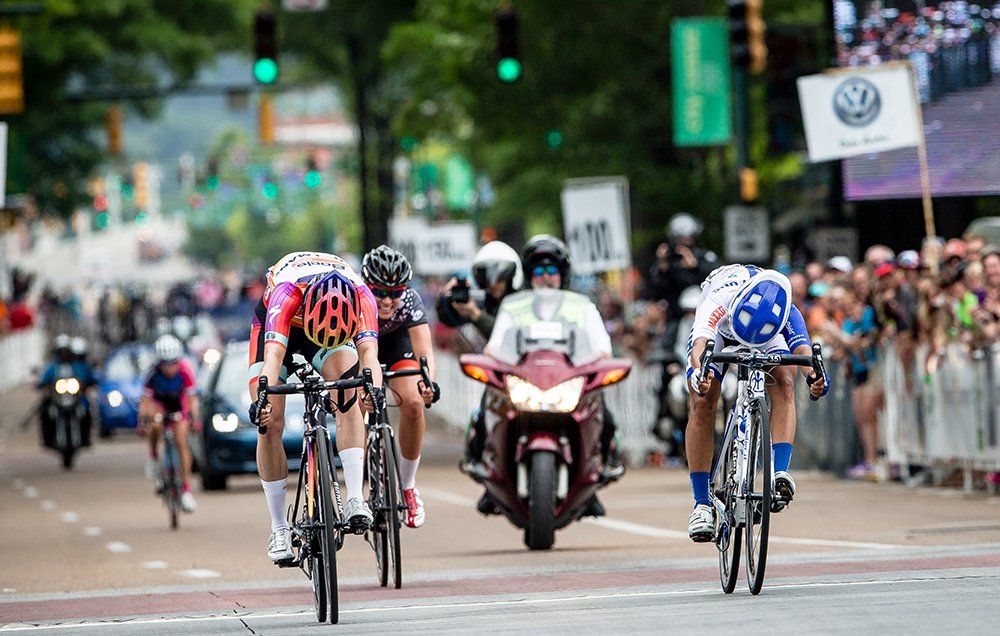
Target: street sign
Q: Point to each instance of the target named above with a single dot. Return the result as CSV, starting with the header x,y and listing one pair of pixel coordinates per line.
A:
x,y
596,224
747,235
828,242
434,250
298,6
700,64
859,111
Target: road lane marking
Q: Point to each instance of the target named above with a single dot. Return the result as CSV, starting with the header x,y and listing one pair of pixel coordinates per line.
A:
x,y
18,484
155,565
662,533
47,504
713,591
198,573
118,547
92,531
30,492
69,517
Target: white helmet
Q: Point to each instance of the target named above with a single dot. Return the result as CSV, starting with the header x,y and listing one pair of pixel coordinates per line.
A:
x,y
497,261
683,225
759,309
168,348
690,298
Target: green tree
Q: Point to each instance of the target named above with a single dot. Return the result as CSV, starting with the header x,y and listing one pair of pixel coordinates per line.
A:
x,y
79,44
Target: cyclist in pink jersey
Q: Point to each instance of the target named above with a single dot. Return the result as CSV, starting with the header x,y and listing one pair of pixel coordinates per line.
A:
x,y
315,305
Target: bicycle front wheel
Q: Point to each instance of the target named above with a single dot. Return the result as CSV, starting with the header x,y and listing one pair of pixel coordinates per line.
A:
x,y
376,498
758,507
328,522
390,488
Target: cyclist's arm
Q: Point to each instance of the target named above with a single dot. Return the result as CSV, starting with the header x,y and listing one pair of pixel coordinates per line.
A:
x,y
697,349
420,338
367,340
797,337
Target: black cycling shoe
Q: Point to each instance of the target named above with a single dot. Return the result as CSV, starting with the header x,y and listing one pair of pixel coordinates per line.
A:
x,y
594,508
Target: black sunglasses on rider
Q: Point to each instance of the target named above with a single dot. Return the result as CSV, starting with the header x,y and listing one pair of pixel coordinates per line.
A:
x,y
388,292
541,270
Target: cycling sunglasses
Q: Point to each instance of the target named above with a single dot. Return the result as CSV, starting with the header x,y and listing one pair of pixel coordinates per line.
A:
x,y
542,270
389,292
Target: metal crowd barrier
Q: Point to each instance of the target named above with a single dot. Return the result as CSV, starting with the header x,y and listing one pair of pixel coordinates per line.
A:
x,y
825,435
944,419
20,353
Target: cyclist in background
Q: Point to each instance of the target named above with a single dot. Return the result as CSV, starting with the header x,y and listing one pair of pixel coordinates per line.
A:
x,y
403,338
315,305
743,305
170,391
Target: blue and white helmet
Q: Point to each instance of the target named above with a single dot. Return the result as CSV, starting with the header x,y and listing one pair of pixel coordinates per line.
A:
x,y
759,310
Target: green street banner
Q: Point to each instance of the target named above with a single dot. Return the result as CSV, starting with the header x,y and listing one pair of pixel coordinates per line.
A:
x,y
699,57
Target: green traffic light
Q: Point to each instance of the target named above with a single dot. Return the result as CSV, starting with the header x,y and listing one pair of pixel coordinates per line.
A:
x,y
313,179
554,138
212,183
509,69
265,70
271,190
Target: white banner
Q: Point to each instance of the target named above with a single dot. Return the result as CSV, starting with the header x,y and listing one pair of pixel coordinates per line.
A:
x,y
857,112
596,223
434,250
747,234
303,5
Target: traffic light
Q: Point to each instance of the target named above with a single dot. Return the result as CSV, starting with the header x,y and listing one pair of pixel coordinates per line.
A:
x,y
746,35
140,173
113,126
749,189
508,46
11,81
212,174
313,178
265,47
265,120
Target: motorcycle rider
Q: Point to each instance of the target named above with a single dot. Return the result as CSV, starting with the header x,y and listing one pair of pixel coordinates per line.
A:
x,y
169,390
546,260
496,269
744,305
404,338
63,355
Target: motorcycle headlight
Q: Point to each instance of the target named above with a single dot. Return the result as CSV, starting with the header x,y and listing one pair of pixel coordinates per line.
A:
x,y
225,423
115,399
60,386
72,386
561,398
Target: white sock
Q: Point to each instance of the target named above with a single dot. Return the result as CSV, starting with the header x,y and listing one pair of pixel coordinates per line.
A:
x,y
274,491
408,471
353,461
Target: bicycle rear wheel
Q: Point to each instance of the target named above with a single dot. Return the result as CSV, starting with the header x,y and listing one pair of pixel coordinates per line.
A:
x,y
390,486
376,498
759,495
328,529
729,535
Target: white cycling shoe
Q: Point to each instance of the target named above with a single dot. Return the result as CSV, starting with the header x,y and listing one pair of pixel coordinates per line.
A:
x,y
188,504
701,524
359,516
279,546
784,491
152,469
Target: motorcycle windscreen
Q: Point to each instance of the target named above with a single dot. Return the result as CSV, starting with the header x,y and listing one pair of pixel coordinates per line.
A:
x,y
547,327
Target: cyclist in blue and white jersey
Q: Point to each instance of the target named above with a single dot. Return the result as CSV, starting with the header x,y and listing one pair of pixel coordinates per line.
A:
x,y
743,305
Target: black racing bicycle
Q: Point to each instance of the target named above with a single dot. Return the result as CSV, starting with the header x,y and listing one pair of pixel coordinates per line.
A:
x,y
743,476
316,518
385,494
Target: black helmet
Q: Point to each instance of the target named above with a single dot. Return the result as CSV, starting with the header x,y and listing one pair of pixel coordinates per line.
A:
x,y
386,267
546,249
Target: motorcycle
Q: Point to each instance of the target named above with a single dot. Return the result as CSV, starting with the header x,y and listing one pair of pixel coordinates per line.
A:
x,y
542,461
66,417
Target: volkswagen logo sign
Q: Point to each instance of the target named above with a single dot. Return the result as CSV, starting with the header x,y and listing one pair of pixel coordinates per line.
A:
x,y
856,102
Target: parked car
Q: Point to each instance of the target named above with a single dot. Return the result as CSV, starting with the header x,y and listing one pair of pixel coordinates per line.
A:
x,y
122,375
228,439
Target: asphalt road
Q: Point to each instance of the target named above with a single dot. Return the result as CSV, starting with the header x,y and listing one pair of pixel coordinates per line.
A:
x,y
90,552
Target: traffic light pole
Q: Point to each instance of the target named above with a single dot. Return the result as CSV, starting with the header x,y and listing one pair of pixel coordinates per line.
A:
x,y
741,118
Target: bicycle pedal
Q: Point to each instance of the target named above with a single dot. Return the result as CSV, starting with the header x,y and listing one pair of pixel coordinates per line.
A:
x,y
702,537
287,563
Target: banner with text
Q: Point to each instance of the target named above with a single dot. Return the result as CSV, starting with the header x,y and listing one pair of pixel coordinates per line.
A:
x,y
596,222
863,111
699,59
434,250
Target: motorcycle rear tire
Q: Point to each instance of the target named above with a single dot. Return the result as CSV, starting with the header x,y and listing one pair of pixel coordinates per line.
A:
x,y
68,455
541,531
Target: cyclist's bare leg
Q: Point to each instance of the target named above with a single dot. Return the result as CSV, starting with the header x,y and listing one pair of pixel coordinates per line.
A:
x,y
411,415
699,435
183,448
272,464
782,394
350,425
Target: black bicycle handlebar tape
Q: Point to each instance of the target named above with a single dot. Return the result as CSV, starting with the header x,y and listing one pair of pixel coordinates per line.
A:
x,y
819,369
261,402
425,376
706,360
369,384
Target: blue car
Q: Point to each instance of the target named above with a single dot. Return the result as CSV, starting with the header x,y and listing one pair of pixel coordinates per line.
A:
x,y
122,375
228,439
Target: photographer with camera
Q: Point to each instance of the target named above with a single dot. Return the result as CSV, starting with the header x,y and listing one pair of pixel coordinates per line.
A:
x,y
496,270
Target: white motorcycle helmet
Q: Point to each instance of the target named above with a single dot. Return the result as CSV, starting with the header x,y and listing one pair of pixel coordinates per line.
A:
x,y
497,261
